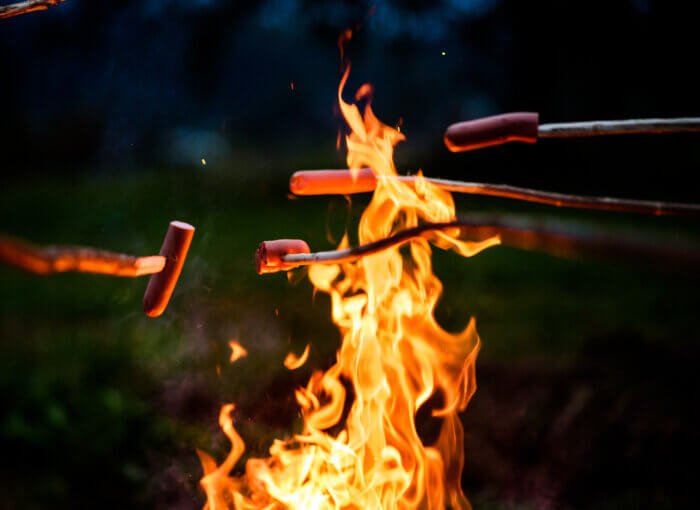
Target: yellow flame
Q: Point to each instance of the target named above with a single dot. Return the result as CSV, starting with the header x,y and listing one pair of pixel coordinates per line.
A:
x,y
393,358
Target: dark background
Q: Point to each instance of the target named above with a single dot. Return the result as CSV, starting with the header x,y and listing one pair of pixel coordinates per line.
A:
x,y
587,373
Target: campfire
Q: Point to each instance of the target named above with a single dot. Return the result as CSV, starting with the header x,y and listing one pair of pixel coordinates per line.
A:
x,y
359,447
377,420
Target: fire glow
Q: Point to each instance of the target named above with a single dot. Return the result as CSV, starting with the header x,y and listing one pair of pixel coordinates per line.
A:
x,y
394,357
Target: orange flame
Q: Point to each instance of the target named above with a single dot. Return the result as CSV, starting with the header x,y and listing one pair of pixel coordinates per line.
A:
x,y
292,362
394,357
237,350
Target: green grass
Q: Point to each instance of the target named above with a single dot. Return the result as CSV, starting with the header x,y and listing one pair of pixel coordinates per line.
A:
x,y
97,396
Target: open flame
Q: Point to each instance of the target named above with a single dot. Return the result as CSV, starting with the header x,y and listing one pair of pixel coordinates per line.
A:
x,y
394,357
293,362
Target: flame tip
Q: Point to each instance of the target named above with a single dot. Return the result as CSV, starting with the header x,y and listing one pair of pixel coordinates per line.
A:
x,y
393,357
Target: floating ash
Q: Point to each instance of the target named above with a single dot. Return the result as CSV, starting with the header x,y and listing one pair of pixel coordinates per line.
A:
x,y
394,357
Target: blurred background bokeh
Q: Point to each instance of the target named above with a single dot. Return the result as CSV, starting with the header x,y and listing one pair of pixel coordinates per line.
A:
x,y
587,374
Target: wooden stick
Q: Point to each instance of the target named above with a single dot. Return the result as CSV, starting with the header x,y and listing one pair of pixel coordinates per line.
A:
x,y
557,238
58,259
357,252
619,127
526,127
656,208
345,182
7,11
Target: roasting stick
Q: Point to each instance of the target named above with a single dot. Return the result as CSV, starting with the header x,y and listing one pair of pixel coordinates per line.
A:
x,y
618,127
556,238
346,182
7,11
525,127
165,268
59,259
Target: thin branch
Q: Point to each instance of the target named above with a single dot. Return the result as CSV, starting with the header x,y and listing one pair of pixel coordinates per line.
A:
x,y
58,259
562,239
656,208
7,11
357,252
619,127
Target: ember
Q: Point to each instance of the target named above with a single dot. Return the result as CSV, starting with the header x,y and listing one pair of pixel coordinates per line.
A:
x,y
237,351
